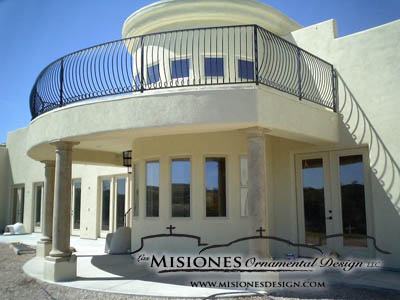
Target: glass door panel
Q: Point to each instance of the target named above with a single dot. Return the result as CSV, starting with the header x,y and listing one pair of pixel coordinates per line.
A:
x,y
353,201
105,205
121,199
350,188
38,206
314,202
76,207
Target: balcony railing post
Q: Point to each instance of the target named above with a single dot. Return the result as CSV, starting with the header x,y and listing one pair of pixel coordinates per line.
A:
x,y
141,64
61,82
299,71
256,52
335,90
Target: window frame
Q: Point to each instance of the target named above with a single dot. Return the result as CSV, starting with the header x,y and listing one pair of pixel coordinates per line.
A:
x,y
227,177
13,206
101,179
145,187
76,231
183,157
35,186
115,198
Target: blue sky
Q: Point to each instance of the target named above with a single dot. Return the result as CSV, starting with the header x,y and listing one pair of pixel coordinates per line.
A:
x,y
35,32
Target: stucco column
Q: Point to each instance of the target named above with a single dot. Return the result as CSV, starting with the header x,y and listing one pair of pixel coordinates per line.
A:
x,y
257,191
62,200
45,243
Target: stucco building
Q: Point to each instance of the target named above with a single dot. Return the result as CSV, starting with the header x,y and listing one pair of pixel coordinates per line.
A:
x,y
236,117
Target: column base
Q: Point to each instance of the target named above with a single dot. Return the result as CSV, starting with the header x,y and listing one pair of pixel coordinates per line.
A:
x,y
43,248
60,268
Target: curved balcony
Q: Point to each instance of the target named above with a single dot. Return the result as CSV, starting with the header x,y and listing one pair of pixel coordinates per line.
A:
x,y
242,54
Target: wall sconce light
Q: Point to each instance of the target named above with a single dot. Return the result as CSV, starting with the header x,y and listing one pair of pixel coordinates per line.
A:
x,y
127,160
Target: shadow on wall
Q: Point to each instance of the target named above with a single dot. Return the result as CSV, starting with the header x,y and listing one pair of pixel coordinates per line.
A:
x,y
385,172
382,163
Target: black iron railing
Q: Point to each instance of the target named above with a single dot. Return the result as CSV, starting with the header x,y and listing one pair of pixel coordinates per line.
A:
x,y
180,58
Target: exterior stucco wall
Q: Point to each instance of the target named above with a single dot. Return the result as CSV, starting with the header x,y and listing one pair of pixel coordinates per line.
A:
x,y
90,195
4,186
212,230
368,105
26,171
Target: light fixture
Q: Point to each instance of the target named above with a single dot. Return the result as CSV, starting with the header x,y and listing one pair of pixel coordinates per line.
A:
x,y
127,160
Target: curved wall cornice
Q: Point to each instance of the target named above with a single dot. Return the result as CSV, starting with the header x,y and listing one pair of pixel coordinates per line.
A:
x,y
181,14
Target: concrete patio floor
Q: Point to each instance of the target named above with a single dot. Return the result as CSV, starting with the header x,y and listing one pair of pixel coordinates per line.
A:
x,y
121,274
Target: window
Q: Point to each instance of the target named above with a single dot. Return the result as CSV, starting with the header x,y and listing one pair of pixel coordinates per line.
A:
x,y
105,205
38,203
152,188
246,69
180,68
214,66
215,187
76,193
153,74
180,187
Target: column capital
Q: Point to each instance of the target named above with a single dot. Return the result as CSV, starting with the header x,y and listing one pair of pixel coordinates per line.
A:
x,y
255,131
48,163
63,145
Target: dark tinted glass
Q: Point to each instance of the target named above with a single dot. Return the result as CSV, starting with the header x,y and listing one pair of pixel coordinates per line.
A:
x,y
105,212
77,205
314,201
152,188
38,205
214,66
215,187
180,187
120,201
246,69
353,201
180,68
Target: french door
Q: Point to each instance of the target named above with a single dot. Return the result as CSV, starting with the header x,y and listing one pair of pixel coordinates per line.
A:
x,y
76,207
334,203
114,203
